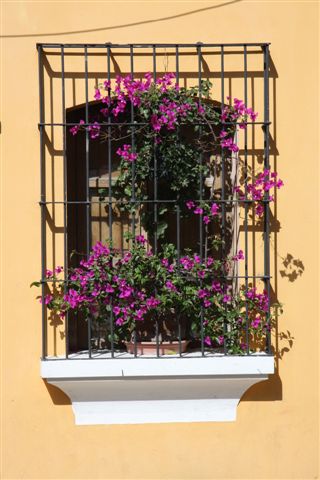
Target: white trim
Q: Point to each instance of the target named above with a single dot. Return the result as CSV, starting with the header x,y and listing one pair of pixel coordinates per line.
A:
x,y
150,367
154,390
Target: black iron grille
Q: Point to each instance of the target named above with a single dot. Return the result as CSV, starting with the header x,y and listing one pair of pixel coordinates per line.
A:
x,y
85,167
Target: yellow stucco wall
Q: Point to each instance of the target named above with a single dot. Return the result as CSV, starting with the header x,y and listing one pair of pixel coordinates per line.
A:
x,y
276,433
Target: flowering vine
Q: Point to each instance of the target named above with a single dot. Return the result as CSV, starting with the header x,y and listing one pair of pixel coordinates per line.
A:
x,y
140,287
259,189
173,124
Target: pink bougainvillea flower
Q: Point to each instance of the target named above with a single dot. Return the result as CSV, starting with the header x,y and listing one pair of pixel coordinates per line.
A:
x,y
210,261
171,286
190,204
198,211
94,130
202,293
221,340
97,94
74,130
214,209
140,239
240,255
259,210
47,299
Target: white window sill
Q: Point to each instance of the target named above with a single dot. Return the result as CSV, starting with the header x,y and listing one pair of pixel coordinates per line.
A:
x,y
125,390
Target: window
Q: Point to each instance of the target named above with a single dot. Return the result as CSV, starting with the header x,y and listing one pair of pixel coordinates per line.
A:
x,y
156,204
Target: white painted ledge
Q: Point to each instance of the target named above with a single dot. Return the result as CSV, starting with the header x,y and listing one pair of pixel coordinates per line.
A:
x,y
156,390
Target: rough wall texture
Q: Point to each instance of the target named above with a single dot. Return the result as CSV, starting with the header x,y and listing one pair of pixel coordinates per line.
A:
x,y
275,436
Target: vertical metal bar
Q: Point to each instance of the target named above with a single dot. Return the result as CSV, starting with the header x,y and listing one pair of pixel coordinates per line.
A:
x,y
266,198
155,190
177,64
88,226
246,250
133,193
200,195
178,212
110,190
132,144
65,198
178,263
42,204
223,193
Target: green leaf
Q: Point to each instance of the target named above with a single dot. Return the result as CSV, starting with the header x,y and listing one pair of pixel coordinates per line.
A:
x,y
161,228
162,210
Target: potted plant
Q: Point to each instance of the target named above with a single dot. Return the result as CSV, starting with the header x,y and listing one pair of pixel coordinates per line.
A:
x,y
142,290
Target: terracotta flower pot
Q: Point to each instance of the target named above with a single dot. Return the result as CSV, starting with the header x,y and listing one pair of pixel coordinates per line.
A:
x,y
150,348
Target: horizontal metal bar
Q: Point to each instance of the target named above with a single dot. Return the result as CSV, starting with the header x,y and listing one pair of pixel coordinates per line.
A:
x,y
168,357
226,277
137,124
139,202
149,45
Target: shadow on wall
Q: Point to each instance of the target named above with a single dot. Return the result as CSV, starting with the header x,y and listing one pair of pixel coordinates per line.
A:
x,y
291,269
126,25
58,396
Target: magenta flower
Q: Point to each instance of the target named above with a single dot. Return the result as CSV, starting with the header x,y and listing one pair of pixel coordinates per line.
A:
x,y
240,255
190,204
207,341
152,302
198,211
171,286
210,261
196,258
140,239
94,130
126,154
165,262
259,210
140,313
214,209
206,220
216,286
229,144
256,322
47,299
109,288
97,94
202,293
74,130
